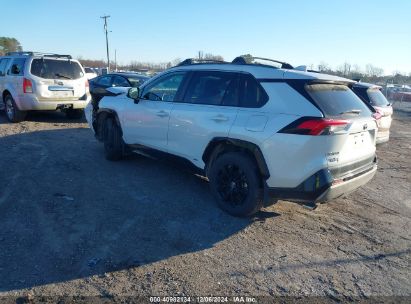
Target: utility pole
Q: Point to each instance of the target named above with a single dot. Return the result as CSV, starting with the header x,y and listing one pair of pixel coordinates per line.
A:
x,y
115,59
106,31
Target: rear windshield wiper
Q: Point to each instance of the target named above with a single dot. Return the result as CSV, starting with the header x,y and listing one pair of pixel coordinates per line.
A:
x,y
353,111
63,76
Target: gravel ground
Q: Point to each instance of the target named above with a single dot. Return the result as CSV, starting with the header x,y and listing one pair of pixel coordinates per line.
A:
x,y
72,223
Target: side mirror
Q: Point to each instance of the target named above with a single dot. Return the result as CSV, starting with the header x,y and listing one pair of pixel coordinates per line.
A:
x,y
134,93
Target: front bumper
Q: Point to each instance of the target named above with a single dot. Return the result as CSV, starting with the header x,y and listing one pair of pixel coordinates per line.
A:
x,y
323,186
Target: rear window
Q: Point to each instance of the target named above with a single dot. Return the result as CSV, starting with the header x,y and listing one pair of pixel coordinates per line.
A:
x,y
56,69
377,98
88,70
337,101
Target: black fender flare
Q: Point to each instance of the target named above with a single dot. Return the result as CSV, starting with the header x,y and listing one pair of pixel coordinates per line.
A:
x,y
97,123
219,144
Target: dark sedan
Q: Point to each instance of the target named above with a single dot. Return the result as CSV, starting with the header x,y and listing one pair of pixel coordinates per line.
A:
x,y
99,85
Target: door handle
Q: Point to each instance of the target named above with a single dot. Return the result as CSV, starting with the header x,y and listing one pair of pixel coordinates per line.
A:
x,y
220,118
162,113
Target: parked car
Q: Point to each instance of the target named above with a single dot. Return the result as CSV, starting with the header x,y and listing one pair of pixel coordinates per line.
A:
x,y
99,85
372,95
402,94
38,81
90,73
258,133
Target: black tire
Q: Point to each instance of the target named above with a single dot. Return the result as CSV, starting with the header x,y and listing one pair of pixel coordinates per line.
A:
x,y
12,111
236,184
113,142
74,113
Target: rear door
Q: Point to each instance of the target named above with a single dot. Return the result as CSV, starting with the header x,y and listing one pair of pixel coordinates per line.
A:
x,y
57,79
207,110
15,76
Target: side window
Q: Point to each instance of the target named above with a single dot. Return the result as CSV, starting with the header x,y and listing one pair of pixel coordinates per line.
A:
x,y
213,88
253,94
164,88
104,81
3,65
119,81
17,67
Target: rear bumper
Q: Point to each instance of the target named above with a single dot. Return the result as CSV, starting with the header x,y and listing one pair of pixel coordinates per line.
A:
x,y
382,136
28,102
347,187
382,139
323,186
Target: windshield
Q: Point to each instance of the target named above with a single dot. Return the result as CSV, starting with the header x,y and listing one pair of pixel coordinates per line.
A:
x,y
337,100
136,81
377,98
56,69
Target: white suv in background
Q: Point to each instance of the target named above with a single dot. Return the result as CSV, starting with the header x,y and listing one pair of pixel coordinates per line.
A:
x,y
372,95
90,73
38,81
258,132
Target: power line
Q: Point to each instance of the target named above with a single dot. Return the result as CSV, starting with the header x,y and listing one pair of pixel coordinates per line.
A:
x,y
106,31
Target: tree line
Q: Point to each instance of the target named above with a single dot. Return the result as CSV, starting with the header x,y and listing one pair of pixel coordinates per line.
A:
x,y
8,44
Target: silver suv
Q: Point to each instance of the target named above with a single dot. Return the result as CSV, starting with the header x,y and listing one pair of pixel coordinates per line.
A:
x,y
38,81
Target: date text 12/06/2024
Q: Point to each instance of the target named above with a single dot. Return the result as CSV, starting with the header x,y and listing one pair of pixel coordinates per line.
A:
x,y
200,299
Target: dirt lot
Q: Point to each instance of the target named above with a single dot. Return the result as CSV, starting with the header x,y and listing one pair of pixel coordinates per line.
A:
x,y
72,223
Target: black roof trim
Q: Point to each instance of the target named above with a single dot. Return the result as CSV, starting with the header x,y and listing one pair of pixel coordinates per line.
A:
x,y
190,61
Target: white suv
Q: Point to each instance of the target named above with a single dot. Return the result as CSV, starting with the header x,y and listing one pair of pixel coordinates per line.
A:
x,y
257,132
38,81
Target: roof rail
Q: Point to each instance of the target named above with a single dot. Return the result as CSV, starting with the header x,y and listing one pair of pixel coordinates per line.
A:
x,y
23,53
242,60
190,61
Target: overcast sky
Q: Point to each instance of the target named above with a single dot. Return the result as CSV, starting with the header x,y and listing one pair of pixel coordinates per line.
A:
x,y
299,32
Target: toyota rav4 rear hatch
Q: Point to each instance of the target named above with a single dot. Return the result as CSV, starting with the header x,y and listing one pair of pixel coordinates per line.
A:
x,y
352,126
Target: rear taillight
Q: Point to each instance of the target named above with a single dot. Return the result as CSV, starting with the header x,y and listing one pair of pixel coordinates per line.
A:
x,y
378,114
27,86
316,126
87,86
